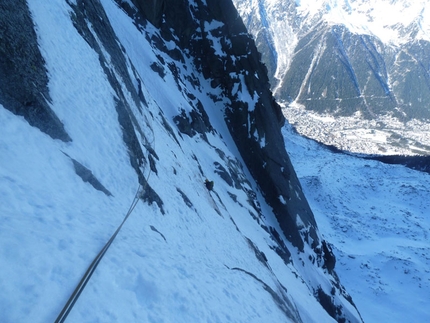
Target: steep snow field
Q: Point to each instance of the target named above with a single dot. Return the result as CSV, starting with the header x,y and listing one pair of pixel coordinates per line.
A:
x,y
197,257
377,217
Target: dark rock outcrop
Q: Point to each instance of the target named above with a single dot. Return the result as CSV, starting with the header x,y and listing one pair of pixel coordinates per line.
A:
x,y
91,12
255,127
23,79
249,126
88,177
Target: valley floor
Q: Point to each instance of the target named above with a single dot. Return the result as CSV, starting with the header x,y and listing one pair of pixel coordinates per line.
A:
x,y
385,136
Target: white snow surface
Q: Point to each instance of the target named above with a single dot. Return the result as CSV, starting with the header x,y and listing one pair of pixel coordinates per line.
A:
x,y
377,217
179,266
176,266
384,19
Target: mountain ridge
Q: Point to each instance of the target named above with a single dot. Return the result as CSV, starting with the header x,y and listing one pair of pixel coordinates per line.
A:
x,y
348,60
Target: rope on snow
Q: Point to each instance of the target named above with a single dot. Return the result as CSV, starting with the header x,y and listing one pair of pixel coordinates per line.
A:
x,y
78,290
84,280
86,277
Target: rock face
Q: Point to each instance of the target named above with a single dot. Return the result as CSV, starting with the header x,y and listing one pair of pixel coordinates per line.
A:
x,y
255,129
23,79
152,10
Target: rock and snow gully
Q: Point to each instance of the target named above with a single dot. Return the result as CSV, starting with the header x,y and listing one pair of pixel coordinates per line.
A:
x,y
100,97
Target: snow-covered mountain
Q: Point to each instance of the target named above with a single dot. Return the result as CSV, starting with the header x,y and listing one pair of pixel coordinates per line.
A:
x,y
119,110
363,62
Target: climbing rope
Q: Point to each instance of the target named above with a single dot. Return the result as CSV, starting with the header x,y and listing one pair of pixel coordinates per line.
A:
x,y
139,193
78,290
80,287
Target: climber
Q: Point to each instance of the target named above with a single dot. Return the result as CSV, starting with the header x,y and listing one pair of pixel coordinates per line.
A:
x,y
209,184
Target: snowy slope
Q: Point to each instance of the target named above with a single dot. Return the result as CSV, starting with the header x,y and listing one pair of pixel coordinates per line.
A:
x,y
271,25
377,216
185,254
385,19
